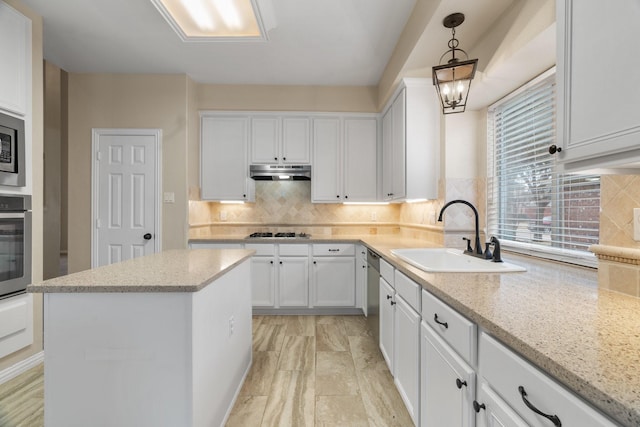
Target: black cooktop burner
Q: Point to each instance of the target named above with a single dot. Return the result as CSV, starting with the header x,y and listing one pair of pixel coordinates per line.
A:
x,y
261,234
285,234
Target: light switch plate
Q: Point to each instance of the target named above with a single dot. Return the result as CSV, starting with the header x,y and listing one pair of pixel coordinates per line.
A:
x,y
636,224
169,197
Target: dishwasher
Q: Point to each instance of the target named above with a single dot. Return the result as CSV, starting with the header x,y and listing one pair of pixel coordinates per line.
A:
x,y
373,292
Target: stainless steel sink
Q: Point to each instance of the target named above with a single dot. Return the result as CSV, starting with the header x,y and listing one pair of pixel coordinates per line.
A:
x,y
448,260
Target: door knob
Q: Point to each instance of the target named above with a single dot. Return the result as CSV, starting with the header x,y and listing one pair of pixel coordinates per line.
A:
x,y
147,236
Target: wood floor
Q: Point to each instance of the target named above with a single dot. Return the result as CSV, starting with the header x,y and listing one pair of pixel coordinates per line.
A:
x,y
22,399
307,371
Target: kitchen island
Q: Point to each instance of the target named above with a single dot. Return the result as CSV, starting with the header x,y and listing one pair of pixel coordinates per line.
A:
x,y
162,340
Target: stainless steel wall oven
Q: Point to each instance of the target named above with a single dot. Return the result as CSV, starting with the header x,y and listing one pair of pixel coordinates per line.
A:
x,y
15,244
12,147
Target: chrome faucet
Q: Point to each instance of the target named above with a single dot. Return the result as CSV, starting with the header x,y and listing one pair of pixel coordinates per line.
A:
x,y
478,249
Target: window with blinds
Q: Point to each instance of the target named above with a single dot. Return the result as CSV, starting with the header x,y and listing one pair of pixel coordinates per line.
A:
x,y
530,206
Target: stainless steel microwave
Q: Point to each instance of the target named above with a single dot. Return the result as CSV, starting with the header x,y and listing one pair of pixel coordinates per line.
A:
x,y
12,156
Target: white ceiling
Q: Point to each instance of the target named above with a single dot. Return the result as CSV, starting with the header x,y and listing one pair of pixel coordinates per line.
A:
x,y
312,42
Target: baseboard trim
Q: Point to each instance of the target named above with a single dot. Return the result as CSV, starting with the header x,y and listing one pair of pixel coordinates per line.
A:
x,y
321,311
20,367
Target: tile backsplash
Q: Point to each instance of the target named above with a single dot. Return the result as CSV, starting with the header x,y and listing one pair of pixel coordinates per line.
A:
x,y
285,205
619,270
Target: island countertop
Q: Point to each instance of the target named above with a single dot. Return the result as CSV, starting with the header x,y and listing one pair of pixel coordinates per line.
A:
x,y
179,270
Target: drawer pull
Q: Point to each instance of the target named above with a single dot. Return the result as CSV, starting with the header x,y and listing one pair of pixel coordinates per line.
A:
x,y
553,418
445,324
460,383
477,406
334,250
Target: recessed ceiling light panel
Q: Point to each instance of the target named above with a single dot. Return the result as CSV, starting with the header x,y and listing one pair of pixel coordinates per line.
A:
x,y
210,20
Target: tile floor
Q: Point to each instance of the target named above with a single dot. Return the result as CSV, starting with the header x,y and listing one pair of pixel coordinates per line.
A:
x,y
317,371
307,371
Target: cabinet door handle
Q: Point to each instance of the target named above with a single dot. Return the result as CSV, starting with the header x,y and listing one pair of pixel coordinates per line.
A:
x,y
271,262
280,262
275,158
314,262
553,418
284,158
445,324
460,383
393,302
389,297
555,149
477,406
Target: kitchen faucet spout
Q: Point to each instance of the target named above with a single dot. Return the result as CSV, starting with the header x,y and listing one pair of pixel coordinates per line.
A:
x,y
478,248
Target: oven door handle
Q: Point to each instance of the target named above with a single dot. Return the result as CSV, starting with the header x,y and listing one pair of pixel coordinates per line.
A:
x,y
12,215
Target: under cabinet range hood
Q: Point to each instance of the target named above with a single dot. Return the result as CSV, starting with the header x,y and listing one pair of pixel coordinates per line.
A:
x,y
280,172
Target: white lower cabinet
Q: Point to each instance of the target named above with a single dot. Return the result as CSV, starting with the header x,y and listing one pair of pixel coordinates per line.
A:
x,y
333,275
406,346
493,411
529,392
361,278
448,384
293,281
280,275
263,275
387,320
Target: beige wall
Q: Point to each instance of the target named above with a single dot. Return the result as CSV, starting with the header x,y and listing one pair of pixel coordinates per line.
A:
x,y
37,176
53,171
287,98
126,101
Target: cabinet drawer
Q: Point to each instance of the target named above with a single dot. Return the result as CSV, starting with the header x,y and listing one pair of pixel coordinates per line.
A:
x,y
331,249
507,372
261,249
386,271
455,329
408,290
294,250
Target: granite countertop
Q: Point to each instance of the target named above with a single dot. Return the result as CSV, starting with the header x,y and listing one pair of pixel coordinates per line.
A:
x,y
179,270
553,314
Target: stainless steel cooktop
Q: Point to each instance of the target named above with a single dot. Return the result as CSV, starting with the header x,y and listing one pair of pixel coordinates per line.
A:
x,y
285,235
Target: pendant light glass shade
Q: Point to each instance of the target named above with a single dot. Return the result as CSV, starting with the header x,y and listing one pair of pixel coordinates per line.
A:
x,y
453,79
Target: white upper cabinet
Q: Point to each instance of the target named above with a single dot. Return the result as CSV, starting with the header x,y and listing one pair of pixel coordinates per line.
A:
x,y
345,159
280,140
598,98
360,159
15,54
325,173
410,143
224,171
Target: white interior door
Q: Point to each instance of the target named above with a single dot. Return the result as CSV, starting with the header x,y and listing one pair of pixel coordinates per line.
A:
x,y
126,183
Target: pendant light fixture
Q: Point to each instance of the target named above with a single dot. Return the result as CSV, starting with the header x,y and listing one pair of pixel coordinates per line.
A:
x,y
453,79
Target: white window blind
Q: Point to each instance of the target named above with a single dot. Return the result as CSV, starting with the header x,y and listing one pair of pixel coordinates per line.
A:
x,y
530,206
